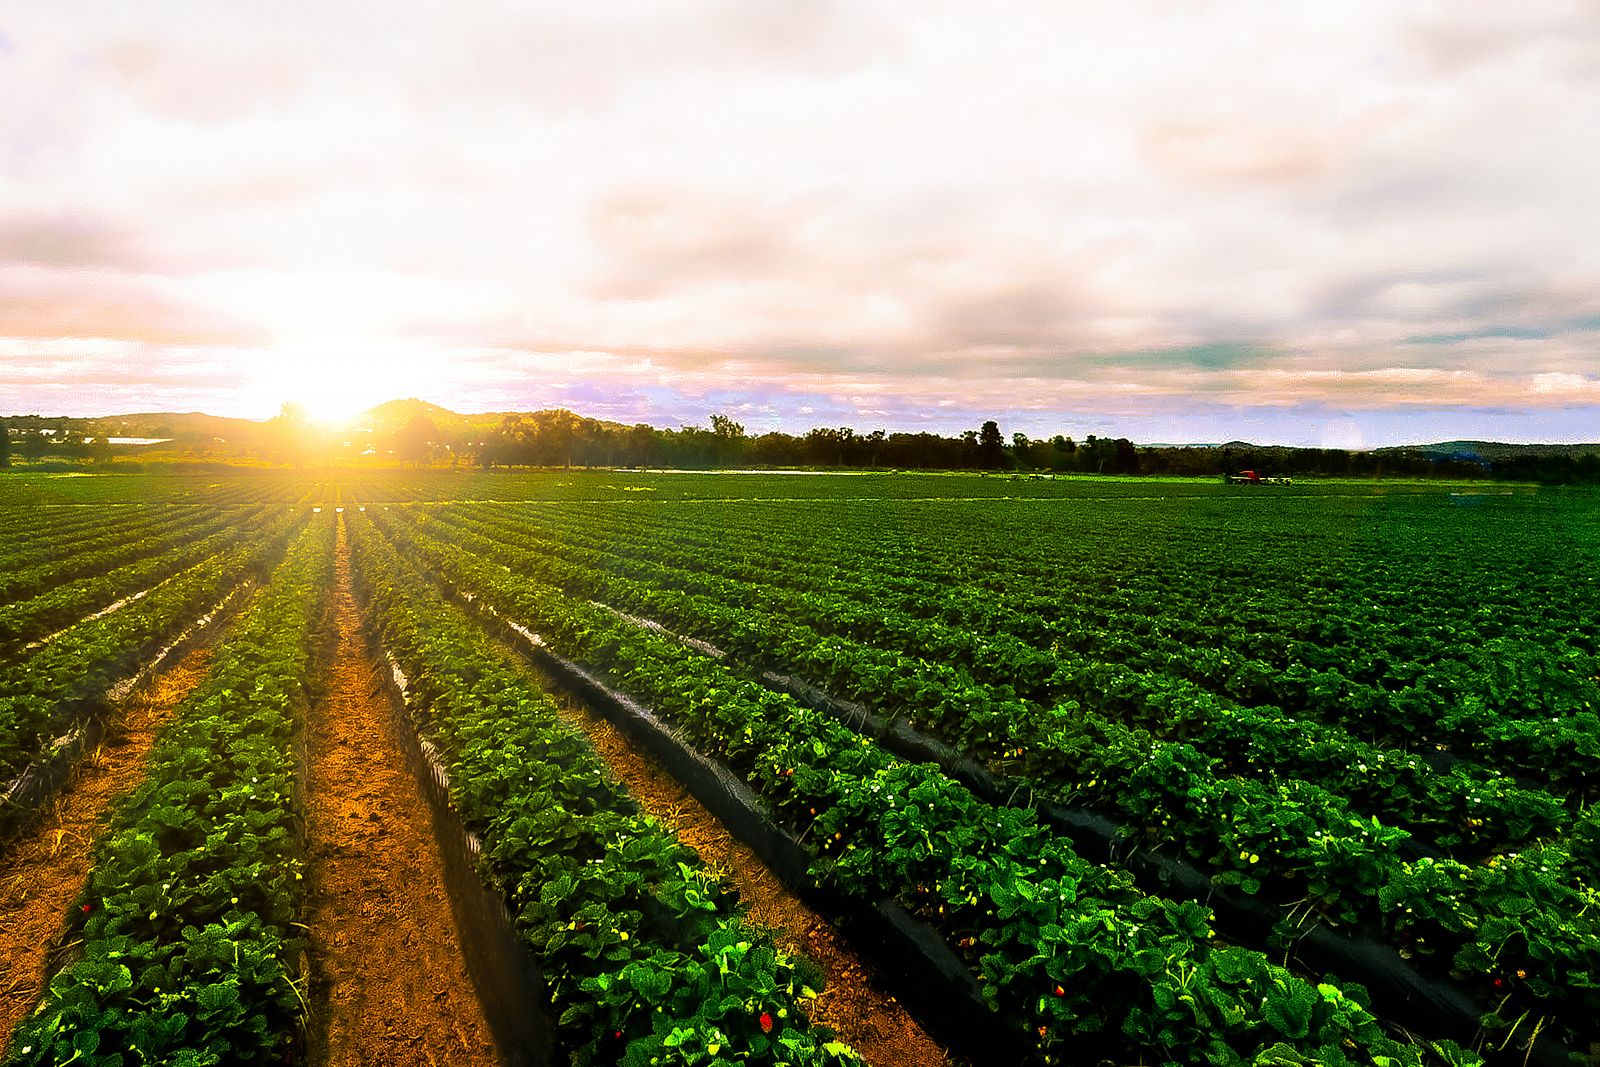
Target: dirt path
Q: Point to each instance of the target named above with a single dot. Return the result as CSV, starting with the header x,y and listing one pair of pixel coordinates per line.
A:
x,y
854,1004
47,866
390,985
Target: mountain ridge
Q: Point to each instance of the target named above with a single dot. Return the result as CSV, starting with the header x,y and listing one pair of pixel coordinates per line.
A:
x,y
391,415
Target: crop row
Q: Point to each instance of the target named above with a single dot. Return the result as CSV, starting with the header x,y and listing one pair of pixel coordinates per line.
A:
x,y
1390,625
33,534
36,617
1068,950
42,693
1516,693
1520,929
1302,841
646,955
185,949
107,543
51,495
982,686
30,535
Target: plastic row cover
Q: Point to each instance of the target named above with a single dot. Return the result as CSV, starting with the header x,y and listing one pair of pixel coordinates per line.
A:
x,y
922,970
1400,993
509,984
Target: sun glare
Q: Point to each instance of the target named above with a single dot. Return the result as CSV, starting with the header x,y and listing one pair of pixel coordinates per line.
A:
x,y
331,384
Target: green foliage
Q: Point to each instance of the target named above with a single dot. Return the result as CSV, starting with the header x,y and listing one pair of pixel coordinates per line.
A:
x,y
1301,811
646,956
1064,948
42,693
184,934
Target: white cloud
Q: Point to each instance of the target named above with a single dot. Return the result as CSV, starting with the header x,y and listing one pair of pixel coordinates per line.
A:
x,y
951,200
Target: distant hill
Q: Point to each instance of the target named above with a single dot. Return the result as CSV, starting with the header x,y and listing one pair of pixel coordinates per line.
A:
x,y
177,425
1492,450
1489,451
391,415
196,430
191,427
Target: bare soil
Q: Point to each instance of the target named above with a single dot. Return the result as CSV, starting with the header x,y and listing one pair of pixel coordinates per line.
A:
x,y
390,986
854,1003
47,866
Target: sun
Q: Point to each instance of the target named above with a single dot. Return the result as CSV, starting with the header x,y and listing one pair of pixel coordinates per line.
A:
x,y
335,350
331,383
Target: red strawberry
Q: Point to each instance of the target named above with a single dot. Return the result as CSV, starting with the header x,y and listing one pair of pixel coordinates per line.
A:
x,y
88,908
766,1022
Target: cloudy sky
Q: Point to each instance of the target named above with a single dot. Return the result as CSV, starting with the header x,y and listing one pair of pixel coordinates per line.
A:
x,y
1350,223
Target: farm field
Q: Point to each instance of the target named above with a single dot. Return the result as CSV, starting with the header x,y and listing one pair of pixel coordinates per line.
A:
x,y
688,768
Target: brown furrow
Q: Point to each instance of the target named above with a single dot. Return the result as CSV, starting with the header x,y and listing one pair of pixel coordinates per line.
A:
x,y
854,1003
390,985
47,866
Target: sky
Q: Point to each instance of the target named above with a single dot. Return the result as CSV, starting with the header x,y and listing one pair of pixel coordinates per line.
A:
x,y
1345,224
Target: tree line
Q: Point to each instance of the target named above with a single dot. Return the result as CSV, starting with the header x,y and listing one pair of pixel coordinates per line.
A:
x,y
561,438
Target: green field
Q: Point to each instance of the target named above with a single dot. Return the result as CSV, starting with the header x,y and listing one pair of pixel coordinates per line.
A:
x,y
1346,713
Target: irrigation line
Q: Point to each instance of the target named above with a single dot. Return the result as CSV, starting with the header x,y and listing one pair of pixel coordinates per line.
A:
x,y
1401,994
915,961
21,798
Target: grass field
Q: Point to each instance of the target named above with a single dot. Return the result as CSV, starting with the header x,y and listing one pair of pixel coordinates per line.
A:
x,y
1152,770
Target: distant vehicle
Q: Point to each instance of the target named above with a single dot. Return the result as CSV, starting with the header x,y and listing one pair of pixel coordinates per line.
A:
x,y
1254,478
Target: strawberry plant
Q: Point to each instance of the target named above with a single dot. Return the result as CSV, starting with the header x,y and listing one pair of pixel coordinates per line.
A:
x,y
183,939
647,958
1015,900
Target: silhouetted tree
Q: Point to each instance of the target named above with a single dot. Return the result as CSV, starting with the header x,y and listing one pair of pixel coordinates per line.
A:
x,y
414,442
643,449
555,433
730,440
874,443
289,435
1019,449
991,446
827,446
5,445
1125,459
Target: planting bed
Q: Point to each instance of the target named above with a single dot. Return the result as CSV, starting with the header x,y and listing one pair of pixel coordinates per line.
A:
x,y
43,870
854,1001
390,984
1104,755
1436,847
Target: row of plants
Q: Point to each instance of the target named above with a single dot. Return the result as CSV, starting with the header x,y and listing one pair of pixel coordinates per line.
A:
x,y
184,949
647,956
1287,647
220,487
109,542
1067,950
1476,808
43,693
1396,623
1535,906
27,531
34,618
974,688
1299,843
1464,807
